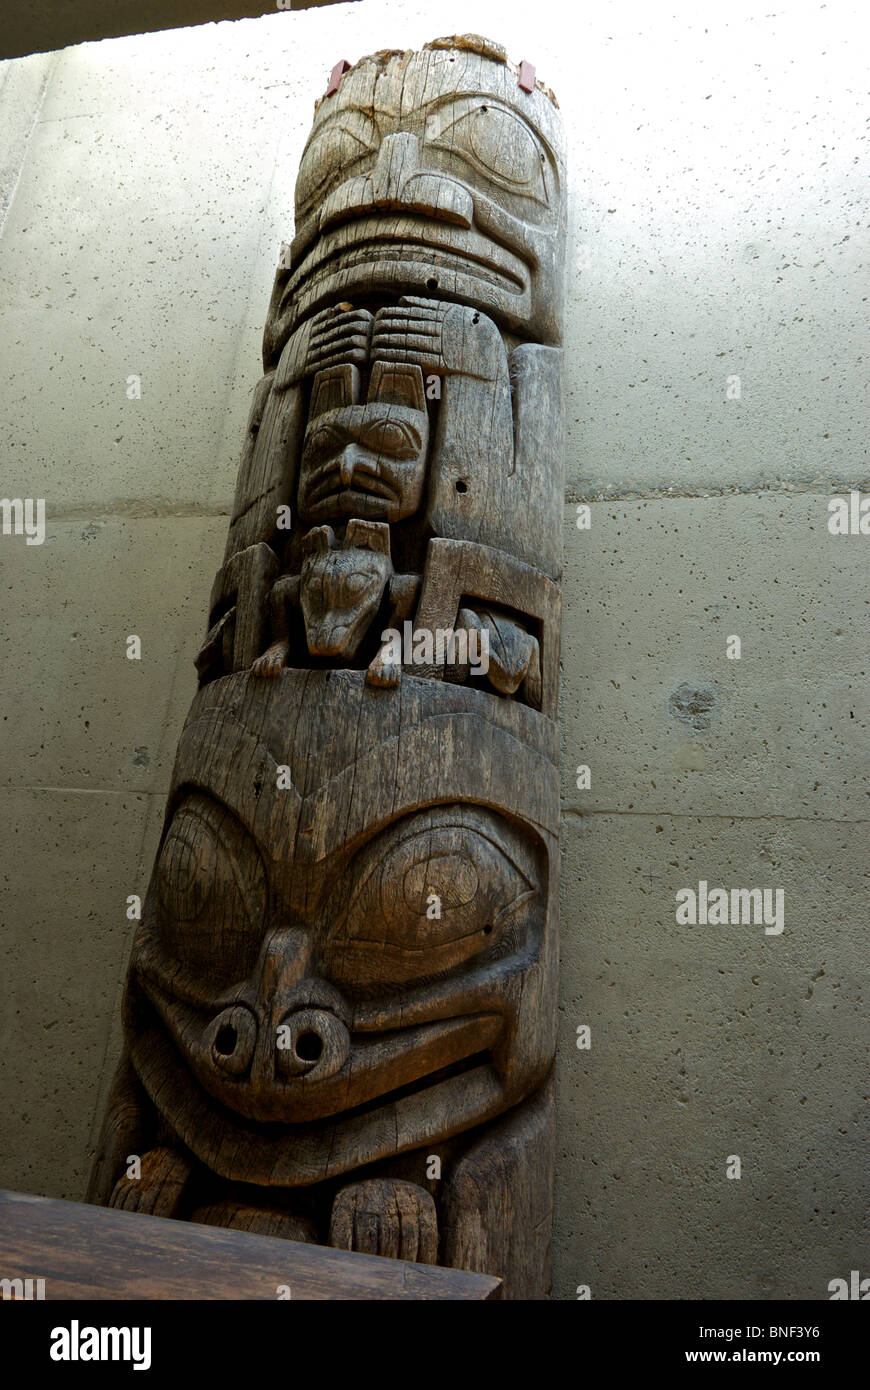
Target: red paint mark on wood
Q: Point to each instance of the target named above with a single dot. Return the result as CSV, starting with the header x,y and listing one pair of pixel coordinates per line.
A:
x,y
527,76
337,74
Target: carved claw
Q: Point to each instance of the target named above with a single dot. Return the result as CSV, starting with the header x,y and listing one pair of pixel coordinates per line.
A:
x,y
383,673
270,663
386,1216
410,332
439,336
338,334
159,1188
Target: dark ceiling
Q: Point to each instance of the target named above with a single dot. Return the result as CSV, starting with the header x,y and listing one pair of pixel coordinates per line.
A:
x,y
39,26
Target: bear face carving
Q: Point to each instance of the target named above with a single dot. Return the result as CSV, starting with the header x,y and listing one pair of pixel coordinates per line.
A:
x,y
341,586
401,949
440,896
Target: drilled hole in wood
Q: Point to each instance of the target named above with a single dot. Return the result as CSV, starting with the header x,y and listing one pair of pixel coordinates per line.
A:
x,y
432,283
461,485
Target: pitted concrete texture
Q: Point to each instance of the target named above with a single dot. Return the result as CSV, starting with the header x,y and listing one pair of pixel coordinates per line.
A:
x,y
709,1042
715,401
652,703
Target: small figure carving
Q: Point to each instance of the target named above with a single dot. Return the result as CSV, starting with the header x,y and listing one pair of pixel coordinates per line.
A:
x,y
339,591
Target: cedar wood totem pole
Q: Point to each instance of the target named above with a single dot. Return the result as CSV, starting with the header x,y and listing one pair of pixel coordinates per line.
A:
x,y
340,1012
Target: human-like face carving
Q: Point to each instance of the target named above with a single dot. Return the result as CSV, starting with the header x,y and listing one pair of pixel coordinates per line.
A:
x,y
434,173
363,460
366,460
303,967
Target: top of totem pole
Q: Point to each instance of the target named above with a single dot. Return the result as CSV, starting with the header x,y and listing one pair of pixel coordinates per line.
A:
x,y
452,43
437,171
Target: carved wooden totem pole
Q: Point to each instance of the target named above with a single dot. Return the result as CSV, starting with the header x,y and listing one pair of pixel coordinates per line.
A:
x,y
340,1012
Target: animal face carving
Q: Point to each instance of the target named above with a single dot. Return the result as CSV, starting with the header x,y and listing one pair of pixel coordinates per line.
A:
x,y
366,460
278,1041
341,587
430,171
350,956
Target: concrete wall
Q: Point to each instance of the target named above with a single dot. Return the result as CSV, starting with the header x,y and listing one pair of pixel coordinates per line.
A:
x,y
718,232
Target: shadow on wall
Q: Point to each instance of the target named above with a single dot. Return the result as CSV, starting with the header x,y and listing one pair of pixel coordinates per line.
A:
x,y
47,25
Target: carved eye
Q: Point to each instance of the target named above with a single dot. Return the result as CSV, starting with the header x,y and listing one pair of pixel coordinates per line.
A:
x,y
391,437
498,144
211,892
424,900
323,442
332,153
354,585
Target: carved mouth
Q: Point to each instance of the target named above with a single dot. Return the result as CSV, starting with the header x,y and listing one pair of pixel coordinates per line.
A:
x,y
370,244
329,486
445,1100
421,1084
378,1064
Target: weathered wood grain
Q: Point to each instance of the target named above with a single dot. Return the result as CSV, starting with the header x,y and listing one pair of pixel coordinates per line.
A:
x,y
340,1013
84,1253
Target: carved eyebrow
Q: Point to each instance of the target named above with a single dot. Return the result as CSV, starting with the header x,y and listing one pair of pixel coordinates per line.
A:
x,y
323,435
384,841
353,120
494,99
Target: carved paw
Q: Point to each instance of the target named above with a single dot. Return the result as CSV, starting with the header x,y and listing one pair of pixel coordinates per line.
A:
x,y
339,334
383,673
514,656
411,331
270,663
385,1216
158,1189
439,337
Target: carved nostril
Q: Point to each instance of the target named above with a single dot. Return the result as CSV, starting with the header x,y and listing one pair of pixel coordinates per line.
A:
x,y
309,1047
313,1043
231,1038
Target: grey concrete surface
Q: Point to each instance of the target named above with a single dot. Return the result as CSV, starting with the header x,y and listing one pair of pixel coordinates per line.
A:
x,y
718,208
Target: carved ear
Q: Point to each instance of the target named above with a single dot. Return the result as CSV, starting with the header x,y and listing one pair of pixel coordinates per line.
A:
x,y
395,383
318,540
367,535
335,387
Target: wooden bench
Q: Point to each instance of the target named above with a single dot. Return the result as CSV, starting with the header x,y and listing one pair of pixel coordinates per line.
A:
x,y
84,1252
